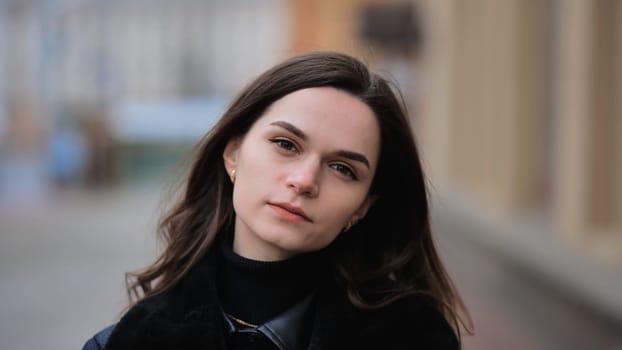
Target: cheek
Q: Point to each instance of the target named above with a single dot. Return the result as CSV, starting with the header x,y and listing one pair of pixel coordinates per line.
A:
x,y
253,176
255,158
342,206
246,187
237,197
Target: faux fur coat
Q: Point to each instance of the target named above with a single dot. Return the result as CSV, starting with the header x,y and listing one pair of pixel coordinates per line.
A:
x,y
189,317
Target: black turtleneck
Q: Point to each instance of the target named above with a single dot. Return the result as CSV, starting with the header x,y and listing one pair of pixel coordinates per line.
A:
x,y
257,291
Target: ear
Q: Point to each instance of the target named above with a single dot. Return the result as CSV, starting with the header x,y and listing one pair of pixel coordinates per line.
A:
x,y
364,208
230,154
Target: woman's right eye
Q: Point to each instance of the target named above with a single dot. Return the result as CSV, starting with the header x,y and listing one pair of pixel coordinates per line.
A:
x,y
285,144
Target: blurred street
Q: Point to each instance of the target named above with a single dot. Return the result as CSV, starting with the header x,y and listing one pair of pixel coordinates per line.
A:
x,y
62,263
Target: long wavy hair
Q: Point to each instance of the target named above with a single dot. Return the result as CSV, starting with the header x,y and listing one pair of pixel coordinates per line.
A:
x,y
388,255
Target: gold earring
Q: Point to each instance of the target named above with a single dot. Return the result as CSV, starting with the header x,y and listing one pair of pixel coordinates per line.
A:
x,y
349,225
232,176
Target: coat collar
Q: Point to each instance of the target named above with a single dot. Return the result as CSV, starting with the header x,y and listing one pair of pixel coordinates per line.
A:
x,y
189,316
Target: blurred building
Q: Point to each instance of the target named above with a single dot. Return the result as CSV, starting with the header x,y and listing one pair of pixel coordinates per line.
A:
x,y
70,70
523,113
155,49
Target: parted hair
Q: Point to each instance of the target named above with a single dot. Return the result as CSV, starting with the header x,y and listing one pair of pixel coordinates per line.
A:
x,y
387,255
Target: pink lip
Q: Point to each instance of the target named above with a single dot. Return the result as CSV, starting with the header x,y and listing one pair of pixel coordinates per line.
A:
x,y
289,211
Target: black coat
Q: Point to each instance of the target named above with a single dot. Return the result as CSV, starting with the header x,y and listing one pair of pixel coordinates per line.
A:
x,y
189,317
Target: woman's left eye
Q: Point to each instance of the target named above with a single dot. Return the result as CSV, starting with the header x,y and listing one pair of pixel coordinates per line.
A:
x,y
284,144
345,170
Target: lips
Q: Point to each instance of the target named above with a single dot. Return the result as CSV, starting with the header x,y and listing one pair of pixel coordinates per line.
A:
x,y
290,211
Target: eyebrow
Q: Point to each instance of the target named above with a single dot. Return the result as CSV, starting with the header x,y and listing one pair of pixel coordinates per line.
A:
x,y
291,128
353,156
341,153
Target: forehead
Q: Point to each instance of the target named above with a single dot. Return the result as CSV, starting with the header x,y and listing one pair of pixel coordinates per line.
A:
x,y
328,116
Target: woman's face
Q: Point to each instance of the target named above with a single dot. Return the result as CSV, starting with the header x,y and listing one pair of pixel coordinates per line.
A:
x,y
302,172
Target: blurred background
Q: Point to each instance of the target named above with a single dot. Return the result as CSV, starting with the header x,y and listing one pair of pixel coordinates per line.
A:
x,y
515,105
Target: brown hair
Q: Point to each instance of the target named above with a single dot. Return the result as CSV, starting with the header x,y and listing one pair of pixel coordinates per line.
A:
x,y
389,254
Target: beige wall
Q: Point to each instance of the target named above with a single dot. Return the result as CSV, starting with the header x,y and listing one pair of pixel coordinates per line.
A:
x,y
523,109
588,153
488,88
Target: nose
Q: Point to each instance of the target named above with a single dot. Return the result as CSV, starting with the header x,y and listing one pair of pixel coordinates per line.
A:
x,y
303,178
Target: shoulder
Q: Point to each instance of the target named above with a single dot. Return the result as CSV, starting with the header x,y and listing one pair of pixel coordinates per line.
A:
x,y
99,340
412,321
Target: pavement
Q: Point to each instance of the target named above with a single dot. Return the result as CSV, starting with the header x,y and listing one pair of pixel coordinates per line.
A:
x,y
527,289
62,260
63,256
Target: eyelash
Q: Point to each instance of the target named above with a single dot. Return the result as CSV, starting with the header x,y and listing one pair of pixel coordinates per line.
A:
x,y
290,146
285,144
345,170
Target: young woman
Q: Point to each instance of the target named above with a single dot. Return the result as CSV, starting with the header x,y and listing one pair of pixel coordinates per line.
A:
x,y
304,224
